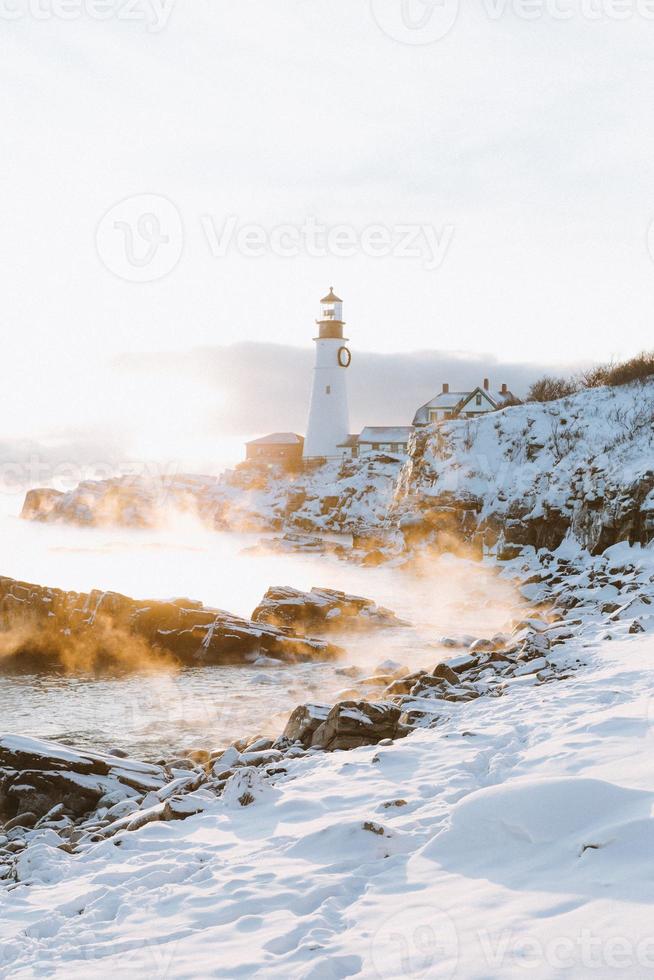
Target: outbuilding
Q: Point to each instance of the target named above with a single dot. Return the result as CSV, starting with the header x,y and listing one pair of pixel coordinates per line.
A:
x,y
283,448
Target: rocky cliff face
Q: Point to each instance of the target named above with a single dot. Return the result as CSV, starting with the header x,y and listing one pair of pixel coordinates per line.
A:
x,y
534,474
349,496
529,475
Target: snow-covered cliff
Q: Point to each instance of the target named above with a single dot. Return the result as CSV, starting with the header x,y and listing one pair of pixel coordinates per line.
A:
x,y
334,497
528,475
535,473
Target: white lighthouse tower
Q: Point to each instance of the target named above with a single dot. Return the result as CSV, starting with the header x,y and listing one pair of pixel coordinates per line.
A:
x,y
329,420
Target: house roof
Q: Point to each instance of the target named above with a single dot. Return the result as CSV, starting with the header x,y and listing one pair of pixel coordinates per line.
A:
x,y
444,400
478,391
450,400
352,440
278,439
386,433
331,297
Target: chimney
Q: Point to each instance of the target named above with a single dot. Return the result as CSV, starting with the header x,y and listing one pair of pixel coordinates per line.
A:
x,y
505,389
486,384
446,388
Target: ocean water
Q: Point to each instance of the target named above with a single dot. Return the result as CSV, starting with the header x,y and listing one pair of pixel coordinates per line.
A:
x,y
156,715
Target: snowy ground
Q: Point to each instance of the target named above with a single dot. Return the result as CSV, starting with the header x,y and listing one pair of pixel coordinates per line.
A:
x,y
596,441
514,839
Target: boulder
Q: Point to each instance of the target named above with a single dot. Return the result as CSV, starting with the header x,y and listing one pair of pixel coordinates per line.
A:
x,y
40,504
459,665
351,724
43,778
446,673
37,792
304,721
321,610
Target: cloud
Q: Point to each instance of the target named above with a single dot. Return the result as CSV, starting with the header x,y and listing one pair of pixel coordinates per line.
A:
x,y
253,388
164,412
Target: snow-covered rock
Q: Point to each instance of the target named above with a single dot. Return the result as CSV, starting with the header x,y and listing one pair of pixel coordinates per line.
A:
x,y
350,724
349,496
529,475
36,776
322,610
533,474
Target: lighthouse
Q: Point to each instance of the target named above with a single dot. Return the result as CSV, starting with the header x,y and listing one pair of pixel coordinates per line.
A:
x,y
329,421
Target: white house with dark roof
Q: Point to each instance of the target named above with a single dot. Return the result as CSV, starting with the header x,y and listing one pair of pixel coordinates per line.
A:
x,y
462,404
392,440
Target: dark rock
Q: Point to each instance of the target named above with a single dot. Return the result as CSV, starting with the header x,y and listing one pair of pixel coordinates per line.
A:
x,y
350,724
38,792
105,632
507,552
374,828
181,807
26,820
462,663
48,779
321,610
304,721
401,686
446,673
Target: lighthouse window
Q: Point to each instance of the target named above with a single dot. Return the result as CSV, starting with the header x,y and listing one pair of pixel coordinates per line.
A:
x,y
328,390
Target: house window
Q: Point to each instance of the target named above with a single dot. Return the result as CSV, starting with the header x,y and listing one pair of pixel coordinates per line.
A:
x,y
328,390
478,400
447,415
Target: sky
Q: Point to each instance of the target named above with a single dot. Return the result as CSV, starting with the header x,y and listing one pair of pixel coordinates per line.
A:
x,y
181,182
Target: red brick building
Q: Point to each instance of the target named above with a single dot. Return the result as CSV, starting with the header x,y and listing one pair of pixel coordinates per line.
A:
x,y
283,448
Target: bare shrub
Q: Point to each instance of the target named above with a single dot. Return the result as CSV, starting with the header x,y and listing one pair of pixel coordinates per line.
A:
x,y
637,368
548,389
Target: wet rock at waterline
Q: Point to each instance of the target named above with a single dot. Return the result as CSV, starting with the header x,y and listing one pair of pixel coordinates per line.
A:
x,y
304,721
351,724
69,800
44,629
322,610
